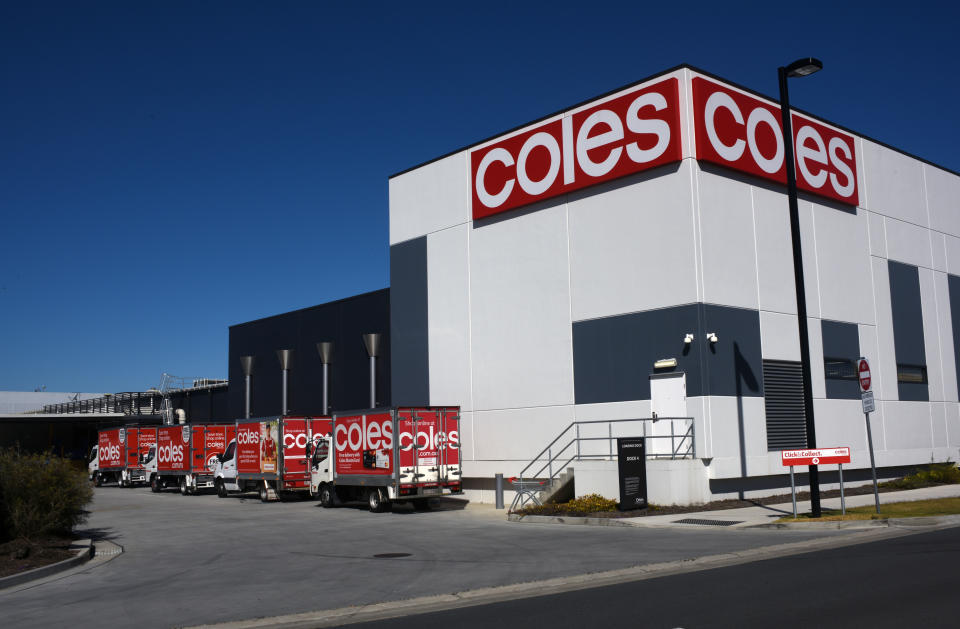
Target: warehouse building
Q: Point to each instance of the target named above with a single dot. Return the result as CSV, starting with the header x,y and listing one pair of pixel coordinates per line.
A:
x,y
630,257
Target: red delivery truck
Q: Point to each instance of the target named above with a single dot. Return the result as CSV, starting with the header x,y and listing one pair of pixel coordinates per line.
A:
x,y
139,440
388,454
269,455
119,455
186,455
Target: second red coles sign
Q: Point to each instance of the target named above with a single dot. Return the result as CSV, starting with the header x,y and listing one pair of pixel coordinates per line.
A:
x,y
640,129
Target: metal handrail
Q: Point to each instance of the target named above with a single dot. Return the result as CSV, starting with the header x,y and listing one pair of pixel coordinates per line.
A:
x,y
677,450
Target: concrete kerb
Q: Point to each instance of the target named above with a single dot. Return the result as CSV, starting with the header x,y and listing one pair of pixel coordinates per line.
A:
x,y
490,595
83,554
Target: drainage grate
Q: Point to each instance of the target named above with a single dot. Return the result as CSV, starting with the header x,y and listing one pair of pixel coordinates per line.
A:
x,y
708,522
391,555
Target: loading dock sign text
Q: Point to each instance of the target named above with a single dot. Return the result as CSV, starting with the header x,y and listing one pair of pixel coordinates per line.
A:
x,y
632,468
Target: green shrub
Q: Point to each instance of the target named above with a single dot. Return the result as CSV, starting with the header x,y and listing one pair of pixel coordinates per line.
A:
x,y
592,503
40,494
934,474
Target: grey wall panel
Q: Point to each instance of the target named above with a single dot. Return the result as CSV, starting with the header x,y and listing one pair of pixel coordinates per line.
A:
x,y
908,339
841,341
342,322
613,357
408,323
953,282
733,365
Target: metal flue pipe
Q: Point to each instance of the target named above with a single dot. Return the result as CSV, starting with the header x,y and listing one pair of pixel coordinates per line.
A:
x,y
246,363
372,343
286,359
325,349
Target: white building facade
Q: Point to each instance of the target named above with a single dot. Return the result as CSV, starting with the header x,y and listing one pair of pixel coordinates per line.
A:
x,y
537,277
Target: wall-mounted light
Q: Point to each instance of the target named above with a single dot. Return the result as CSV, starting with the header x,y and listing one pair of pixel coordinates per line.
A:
x,y
688,339
712,337
665,363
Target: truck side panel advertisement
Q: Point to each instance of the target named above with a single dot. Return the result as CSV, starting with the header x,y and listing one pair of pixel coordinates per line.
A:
x,y
110,449
173,444
364,445
294,447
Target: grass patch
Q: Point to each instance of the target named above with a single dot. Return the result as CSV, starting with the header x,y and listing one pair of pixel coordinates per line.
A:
x,y
934,474
912,509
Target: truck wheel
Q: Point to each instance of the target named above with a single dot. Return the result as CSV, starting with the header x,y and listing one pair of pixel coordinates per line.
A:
x,y
154,484
183,486
97,480
326,496
376,501
120,482
264,496
221,489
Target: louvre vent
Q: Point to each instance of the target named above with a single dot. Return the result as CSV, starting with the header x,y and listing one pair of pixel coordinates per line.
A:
x,y
783,401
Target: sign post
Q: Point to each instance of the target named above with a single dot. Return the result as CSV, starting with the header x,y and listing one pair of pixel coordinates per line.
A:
x,y
863,369
818,456
632,468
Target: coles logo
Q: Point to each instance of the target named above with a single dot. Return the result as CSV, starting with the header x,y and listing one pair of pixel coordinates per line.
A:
x,y
742,132
170,454
633,132
430,440
295,440
248,437
363,434
109,453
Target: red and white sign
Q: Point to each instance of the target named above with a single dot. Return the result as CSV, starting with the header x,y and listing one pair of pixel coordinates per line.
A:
x,y
745,133
172,450
863,369
636,131
820,456
109,449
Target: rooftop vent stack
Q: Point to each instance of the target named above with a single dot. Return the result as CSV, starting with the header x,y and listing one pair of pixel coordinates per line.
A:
x,y
372,342
246,363
325,349
286,359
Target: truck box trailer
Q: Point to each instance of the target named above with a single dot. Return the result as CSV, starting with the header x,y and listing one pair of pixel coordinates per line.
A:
x,y
186,455
120,454
269,455
388,454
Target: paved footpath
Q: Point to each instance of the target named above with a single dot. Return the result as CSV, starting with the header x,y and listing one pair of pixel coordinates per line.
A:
x,y
202,559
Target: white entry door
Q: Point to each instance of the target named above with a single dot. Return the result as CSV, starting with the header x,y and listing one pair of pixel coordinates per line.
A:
x,y
668,398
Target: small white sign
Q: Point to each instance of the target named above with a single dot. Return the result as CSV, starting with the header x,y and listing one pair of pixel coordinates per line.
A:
x,y
868,405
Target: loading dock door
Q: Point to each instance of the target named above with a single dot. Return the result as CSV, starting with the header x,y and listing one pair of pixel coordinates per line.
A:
x,y
668,398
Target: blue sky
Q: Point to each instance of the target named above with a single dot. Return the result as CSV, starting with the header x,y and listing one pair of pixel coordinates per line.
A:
x,y
168,169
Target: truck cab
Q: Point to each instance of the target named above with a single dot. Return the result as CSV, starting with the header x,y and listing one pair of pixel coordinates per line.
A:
x,y
225,470
320,464
94,463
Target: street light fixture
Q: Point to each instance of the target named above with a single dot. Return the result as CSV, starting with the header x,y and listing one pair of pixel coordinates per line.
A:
x,y
800,67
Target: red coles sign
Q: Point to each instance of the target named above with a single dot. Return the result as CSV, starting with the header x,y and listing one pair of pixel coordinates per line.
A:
x,y
633,132
744,133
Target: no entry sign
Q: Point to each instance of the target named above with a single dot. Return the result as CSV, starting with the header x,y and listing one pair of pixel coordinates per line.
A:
x,y
863,369
819,456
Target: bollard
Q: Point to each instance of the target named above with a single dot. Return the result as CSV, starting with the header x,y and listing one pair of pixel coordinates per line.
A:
x,y
499,478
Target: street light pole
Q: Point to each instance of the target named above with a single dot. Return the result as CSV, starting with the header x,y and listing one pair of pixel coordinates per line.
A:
x,y
801,67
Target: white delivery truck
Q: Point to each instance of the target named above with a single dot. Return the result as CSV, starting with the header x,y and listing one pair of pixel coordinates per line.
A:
x,y
388,454
268,455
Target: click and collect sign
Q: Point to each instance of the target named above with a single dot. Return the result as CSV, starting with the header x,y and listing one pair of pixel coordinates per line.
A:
x,y
817,456
632,468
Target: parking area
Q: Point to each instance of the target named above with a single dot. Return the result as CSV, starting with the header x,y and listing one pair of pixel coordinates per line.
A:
x,y
203,559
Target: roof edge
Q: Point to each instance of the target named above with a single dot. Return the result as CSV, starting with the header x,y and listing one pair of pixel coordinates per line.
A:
x,y
682,66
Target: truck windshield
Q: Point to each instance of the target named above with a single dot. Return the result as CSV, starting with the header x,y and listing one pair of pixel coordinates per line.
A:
x,y
149,455
230,450
93,453
321,451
